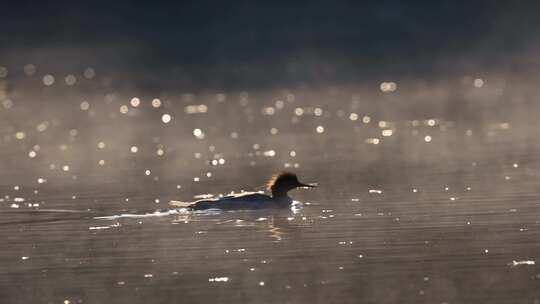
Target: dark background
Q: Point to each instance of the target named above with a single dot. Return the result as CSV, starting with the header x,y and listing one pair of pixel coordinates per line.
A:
x,y
272,43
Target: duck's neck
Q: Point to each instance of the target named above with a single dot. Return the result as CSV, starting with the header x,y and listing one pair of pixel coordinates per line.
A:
x,y
280,194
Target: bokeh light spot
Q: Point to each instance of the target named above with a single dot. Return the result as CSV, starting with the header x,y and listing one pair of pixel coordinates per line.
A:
x,y
89,73
48,80
135,102
156,103
166,118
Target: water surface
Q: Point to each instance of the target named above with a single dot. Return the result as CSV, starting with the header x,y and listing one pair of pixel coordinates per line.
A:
x,y
409,210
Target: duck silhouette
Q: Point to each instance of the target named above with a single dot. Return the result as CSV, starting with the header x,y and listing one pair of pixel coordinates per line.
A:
x,y
279,185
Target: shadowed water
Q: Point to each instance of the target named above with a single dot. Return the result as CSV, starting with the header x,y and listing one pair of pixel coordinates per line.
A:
x,y
407,211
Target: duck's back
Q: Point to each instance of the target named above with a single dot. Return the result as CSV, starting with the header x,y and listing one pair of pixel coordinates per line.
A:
x,y
247,200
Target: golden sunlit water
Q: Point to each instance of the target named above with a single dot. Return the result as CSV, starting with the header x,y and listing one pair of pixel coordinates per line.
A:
x,y
423,197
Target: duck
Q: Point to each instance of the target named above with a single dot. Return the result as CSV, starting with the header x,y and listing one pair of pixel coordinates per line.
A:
x,y
278,185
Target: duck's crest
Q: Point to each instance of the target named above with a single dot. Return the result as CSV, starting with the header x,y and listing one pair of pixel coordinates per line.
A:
x,y
279,178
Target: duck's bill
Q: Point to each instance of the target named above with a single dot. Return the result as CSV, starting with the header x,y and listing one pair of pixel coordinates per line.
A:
x,y
307,185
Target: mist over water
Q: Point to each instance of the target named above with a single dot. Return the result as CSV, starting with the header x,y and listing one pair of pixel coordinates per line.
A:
x,y
428,192
421,132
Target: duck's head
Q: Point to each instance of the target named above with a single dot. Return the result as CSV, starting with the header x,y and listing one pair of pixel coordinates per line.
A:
x,y
281,183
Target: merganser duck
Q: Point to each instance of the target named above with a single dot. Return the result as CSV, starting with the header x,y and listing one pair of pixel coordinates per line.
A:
x,y
279,185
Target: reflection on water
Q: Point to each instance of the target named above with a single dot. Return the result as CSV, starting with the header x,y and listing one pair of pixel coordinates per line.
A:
x,y
462,236
411,207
